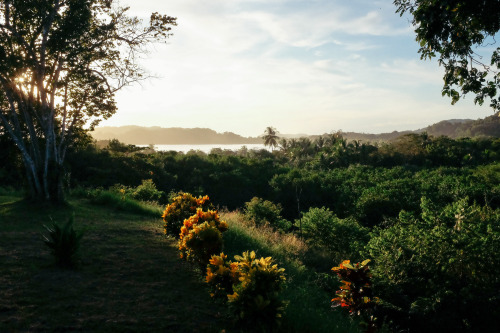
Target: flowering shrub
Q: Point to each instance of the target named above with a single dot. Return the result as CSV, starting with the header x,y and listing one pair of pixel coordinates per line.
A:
x,y
221,275
255,298
182,207
201,236
356,294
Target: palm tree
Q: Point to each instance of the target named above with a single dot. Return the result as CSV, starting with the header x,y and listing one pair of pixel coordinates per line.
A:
x,y
270,137
284,145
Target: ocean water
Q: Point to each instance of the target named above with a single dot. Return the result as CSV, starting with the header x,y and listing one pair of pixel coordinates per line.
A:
x,y
207,148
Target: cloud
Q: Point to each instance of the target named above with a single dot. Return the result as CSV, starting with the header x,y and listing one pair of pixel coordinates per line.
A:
x,y
315,27
372,23
412,71
302,66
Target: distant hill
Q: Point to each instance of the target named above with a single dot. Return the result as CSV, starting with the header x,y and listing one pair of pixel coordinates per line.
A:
x,y
453,128
487,127
138,135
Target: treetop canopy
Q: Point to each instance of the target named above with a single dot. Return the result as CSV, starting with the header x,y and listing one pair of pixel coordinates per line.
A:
x,y
459,31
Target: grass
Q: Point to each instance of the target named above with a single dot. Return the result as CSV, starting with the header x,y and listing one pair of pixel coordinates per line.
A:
x,y
309,308
129,279
120,202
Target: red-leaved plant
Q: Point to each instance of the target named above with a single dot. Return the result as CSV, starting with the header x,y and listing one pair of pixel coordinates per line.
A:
x,y
356,293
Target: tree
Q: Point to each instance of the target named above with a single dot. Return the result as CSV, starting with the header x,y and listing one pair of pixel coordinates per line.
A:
x,y
61,63
456,29
270,137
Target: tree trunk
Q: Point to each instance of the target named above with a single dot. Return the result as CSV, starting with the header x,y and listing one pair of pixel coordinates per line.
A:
x,y
44,172
52,177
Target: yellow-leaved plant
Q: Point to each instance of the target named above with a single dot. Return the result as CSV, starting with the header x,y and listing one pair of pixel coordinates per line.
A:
x,y
221,275
182,207
256,298
201,236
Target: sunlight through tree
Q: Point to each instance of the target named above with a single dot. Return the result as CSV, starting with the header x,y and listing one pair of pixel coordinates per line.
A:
x,y
61,63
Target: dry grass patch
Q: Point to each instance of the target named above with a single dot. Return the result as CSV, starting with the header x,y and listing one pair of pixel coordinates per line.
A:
x,y
287,246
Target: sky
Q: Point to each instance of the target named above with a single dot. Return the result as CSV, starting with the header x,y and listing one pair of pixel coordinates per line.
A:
x,y
301,66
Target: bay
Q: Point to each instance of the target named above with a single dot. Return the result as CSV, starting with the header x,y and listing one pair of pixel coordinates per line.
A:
x,y
206,148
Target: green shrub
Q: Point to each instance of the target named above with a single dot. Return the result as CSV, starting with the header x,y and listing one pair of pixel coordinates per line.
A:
x,y
439,271
122,190
64,243
340,238
147,191
256,298
262,211
385,200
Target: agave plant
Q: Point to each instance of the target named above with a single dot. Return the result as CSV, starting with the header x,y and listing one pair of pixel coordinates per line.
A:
x,y
64,243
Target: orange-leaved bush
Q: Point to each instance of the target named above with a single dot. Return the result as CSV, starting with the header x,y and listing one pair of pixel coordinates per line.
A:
x,y
182,207
221,275
201,236
356,294
256,298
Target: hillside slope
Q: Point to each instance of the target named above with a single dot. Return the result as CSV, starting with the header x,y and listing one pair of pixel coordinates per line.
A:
x,y
137,135
487,127
169,136
453,128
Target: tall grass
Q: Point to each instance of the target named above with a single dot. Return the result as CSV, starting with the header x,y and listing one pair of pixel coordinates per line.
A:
x,y
309,308
284,247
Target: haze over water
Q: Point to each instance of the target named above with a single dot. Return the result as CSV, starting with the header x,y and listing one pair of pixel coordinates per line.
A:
x,y
208,147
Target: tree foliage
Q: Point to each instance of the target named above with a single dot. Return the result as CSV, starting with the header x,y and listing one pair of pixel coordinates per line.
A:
x,y
456,30
438,271
61,63
270,137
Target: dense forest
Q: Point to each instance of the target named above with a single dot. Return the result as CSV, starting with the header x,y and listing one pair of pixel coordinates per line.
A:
x,y
425,209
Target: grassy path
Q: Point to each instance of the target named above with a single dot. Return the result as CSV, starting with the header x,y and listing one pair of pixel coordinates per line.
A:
x,y
130,278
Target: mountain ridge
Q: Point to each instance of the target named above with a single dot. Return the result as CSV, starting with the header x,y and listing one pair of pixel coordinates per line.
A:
x,y
138,135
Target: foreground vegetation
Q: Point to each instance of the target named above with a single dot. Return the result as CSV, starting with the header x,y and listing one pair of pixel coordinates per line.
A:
x,y
129,277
